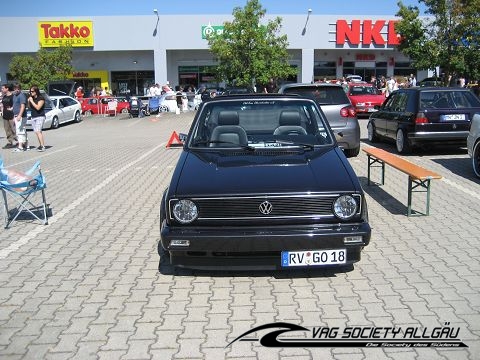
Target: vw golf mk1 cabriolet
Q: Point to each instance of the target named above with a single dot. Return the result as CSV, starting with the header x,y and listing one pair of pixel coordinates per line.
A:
x,y
262,184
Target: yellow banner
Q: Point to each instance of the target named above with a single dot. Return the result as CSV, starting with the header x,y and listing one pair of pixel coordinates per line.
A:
x,y
59,33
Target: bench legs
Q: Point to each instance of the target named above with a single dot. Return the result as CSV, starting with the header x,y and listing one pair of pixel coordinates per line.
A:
x,y
371,161
423,184
413,184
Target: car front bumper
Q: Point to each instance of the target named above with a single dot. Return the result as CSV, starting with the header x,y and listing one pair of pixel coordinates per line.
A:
x,y
257,247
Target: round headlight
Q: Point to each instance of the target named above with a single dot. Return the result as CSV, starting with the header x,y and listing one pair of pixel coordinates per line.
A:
x,y
185,211
345,207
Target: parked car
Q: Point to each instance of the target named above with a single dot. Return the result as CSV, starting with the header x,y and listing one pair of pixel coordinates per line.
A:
x,y
473,143
424,115
168,102
338,109
59,110
430,81
364,97
98,105
302,205
353,78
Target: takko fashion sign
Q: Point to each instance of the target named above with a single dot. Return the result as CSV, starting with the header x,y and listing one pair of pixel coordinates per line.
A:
x,y
59,33
367,32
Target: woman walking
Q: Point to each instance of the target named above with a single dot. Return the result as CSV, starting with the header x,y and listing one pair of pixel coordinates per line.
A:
x,y
36,102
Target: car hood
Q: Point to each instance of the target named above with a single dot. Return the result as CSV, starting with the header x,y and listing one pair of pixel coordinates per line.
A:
x,y
212,173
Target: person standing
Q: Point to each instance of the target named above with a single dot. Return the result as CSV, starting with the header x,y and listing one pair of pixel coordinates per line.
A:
x,y
36,102
412,81
8,124
20,117
271,87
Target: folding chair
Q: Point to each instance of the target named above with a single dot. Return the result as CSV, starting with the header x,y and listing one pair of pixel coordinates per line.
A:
x,y
22,194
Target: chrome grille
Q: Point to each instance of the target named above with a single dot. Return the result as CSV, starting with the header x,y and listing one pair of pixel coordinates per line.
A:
x,y
247,207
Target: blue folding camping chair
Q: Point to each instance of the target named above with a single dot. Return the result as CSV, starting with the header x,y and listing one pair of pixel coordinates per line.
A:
x,y
153,105
22,193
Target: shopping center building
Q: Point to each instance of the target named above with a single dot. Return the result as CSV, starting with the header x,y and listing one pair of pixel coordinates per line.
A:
x,y
131,52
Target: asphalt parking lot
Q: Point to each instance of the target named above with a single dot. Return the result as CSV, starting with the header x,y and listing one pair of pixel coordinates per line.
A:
x,y
88,285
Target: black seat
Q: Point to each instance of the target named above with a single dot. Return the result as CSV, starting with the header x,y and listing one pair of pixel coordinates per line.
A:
x,y
290,123
228,132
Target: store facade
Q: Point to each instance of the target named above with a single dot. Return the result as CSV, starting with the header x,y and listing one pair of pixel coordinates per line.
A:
x,y
131,52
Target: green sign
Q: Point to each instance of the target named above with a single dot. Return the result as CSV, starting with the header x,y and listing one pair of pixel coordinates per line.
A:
x,y
208,30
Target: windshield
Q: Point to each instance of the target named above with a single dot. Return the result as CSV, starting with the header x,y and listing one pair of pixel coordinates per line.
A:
x,y
363,90
323,95
259,123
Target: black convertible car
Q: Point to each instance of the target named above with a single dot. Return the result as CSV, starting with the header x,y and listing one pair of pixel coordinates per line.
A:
x,y
261,183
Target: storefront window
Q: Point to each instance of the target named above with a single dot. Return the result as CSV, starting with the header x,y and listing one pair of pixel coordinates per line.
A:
x,y
137,82
196,75
355,68
404,69
324,69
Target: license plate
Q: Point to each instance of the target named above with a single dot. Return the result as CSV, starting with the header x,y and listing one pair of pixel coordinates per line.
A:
x,y
314,257
452,117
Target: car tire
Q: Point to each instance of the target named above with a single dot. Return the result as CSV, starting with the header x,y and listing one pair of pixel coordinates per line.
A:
x,y
55,123
124,111
402,143
77,117
163,108
88,113
476,159
351,152
371,133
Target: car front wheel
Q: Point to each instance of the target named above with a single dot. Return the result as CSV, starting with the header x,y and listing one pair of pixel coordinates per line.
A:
x,y
124,110
55,123
372,135
476,159
163,108
88,113
77,117
402,142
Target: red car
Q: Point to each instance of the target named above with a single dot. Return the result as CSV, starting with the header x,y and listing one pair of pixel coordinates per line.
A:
x,y
99,105
364,97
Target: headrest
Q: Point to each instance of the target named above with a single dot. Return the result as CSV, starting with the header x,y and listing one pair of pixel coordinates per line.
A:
x,y
228,118
290,117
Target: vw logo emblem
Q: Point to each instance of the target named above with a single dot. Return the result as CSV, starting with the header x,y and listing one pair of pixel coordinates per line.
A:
x,y
265,208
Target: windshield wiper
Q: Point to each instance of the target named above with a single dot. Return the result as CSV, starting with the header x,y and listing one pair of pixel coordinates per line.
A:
x,y
295,143
208,142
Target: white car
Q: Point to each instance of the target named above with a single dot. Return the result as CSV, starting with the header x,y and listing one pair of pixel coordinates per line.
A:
x,y
59,110
473,143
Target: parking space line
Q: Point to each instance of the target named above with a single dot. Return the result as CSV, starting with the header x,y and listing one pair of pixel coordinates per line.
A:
x,y
45,154
74,204
461,188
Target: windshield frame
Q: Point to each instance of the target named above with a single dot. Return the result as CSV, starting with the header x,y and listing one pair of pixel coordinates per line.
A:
x,y
260,134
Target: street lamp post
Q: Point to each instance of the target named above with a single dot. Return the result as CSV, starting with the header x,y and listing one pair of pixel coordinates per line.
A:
x,y
155,11
306,22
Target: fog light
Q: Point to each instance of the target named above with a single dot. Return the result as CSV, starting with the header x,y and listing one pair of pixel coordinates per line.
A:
x,y
352,239
184,243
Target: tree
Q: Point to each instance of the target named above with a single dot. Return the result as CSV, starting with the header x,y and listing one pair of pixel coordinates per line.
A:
x,y
44,66
448,38
249,52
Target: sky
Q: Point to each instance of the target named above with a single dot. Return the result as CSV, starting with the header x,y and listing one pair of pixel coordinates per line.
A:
x,y
55,8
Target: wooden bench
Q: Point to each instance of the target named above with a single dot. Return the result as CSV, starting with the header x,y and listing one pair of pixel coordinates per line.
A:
x,y
418,177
